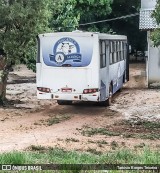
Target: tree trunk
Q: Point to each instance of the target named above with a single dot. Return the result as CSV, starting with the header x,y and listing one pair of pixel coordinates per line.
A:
x,y
3,79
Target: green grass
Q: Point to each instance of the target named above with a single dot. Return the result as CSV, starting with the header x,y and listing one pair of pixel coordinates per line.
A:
x,y
71,140
41,155
54,119
145,124
151,136
101,131
152,128
114,145
57,119
101,142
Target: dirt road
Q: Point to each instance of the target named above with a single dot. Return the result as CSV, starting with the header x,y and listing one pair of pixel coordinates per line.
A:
x,y
132,121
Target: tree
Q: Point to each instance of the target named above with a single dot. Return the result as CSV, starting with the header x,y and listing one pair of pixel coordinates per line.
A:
x,y
128,26
156,33
71,13
64,17
20,22
97,11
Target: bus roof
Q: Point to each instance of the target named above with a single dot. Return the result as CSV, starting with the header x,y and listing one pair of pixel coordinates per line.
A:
x,y
84,34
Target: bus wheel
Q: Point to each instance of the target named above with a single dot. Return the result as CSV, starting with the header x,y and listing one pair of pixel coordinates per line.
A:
x,y
124,78
109,100
64,102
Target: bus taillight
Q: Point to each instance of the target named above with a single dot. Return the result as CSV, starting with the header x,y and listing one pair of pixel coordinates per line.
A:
x,y
89,91
42,89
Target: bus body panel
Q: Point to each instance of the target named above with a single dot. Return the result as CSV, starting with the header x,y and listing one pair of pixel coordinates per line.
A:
x,y
68,83
77,79
113,64
70,65
116,74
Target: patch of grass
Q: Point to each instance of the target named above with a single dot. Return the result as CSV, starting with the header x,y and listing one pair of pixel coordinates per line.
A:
x,y
13,158
54,119
141,145
143,123
93,151
128,135
71,140
57,119
99,143
37,148
114,145
151,136
101,131
37,124
93,142
150,125
102,142
141,129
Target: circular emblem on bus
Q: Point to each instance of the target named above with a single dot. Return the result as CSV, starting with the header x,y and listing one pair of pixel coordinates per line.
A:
x,y
66,51
59,58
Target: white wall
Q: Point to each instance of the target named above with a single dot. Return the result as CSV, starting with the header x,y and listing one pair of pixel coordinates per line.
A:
x,y
153,64
148,4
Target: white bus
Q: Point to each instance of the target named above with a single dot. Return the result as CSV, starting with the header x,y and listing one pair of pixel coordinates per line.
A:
x,y
81,66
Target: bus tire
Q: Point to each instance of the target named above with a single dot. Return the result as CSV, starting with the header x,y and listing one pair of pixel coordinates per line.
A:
x,y
124,77
109,100
64,102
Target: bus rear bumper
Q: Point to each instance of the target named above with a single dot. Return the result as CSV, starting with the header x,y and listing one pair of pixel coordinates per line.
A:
x,y
69,97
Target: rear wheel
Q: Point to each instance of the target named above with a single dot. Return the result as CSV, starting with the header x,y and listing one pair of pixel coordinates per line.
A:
x,y
122,83
64,102
109,100
124,78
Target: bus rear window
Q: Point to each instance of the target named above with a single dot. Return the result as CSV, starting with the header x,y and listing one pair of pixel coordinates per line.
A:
x,y
67,51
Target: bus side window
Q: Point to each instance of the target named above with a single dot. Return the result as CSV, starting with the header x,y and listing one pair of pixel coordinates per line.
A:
x,y
124,50
102,54
118,51
115,52
121,52
110,53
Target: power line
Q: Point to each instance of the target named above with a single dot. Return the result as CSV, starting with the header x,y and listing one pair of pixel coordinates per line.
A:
x,y
108,20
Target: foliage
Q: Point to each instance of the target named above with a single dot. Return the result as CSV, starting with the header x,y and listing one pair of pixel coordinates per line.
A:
x,y
70,13
128,26
20,23
64,17
156,33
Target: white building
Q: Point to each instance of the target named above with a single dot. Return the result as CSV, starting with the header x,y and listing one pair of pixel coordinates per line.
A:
x,y
148,23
